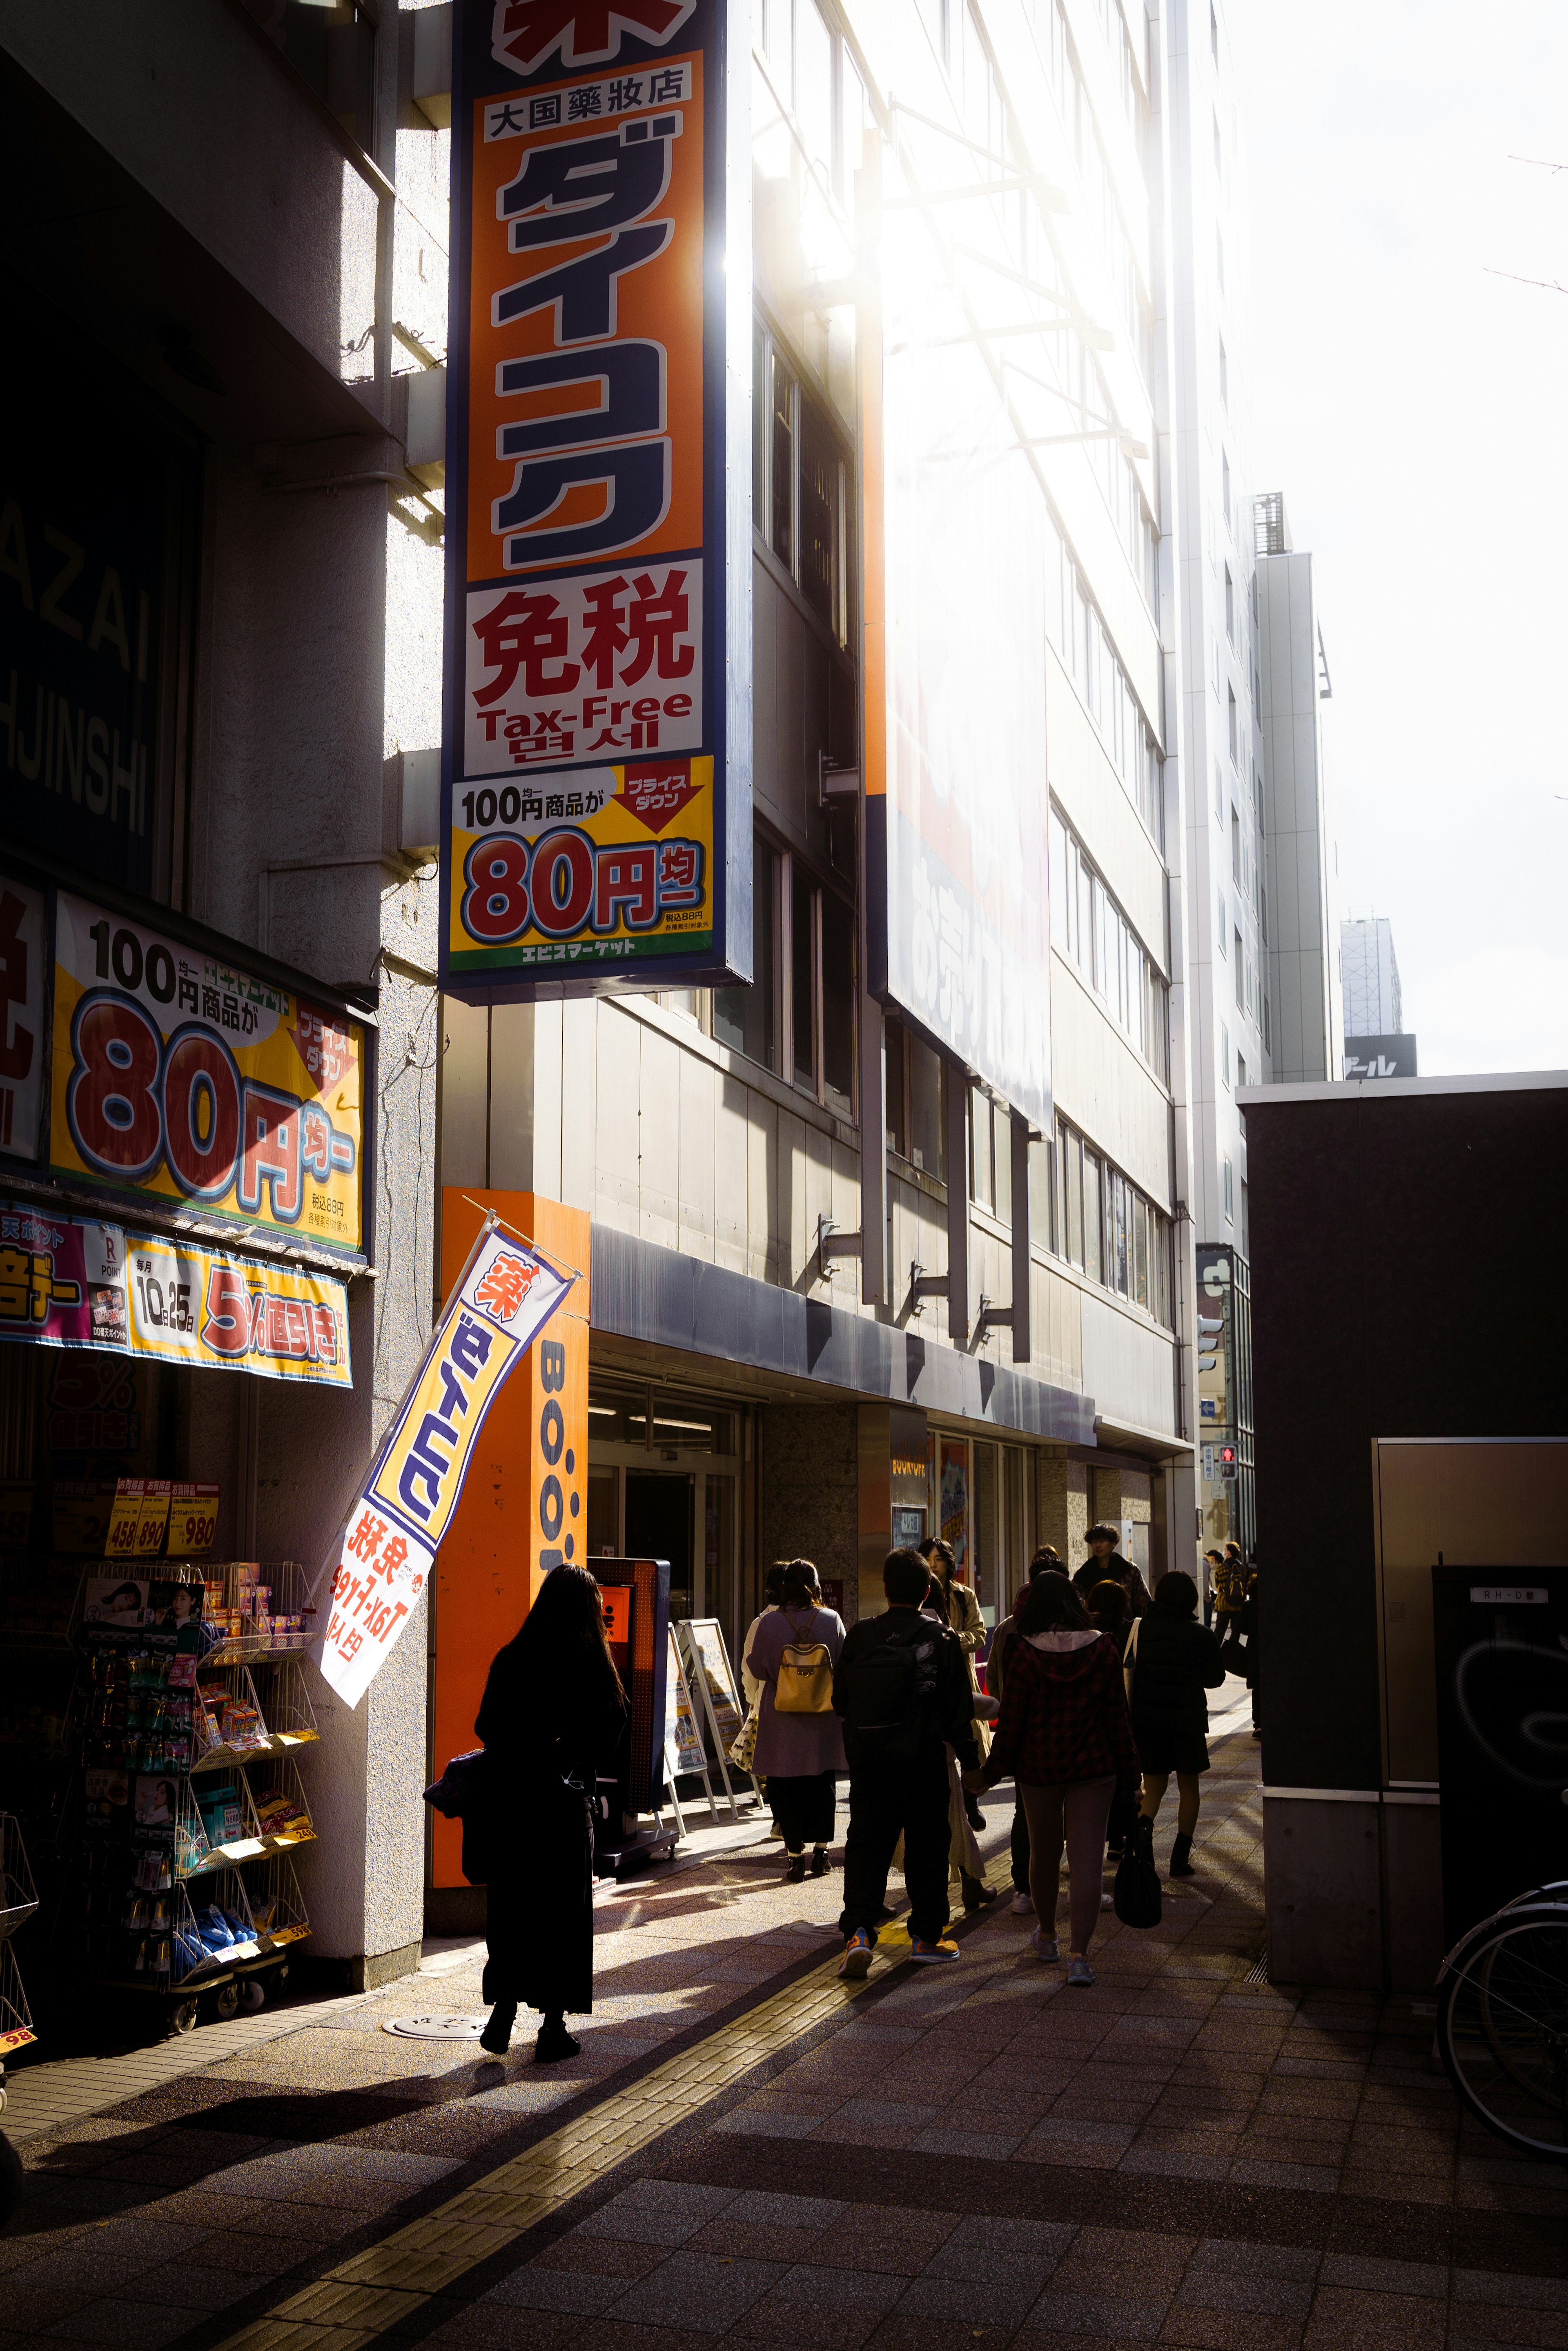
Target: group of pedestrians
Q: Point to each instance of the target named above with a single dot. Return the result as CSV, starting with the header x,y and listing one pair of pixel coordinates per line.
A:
x,y
1094,1699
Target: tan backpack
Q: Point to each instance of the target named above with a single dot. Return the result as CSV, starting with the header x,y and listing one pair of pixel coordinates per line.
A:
x,y
805,1678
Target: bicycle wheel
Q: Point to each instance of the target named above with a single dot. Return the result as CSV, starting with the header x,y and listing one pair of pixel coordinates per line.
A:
x,y
1502,2026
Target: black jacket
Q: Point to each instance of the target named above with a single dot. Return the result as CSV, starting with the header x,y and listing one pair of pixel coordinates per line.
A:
x,y
952,1717
1177,1659
1116,1569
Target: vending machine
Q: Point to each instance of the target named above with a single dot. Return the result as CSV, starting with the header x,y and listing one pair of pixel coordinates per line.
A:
x,y
1502,1644
637,1616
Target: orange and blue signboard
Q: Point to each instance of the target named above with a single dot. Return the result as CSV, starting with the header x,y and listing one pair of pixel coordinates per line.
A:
x,y
597,754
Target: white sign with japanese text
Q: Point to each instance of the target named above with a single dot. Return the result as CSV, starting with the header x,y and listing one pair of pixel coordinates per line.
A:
x,y
506,1297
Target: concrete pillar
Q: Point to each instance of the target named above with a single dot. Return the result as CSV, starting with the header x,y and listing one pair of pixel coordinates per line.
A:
x,y
809,1494
1061,1507
1106,1498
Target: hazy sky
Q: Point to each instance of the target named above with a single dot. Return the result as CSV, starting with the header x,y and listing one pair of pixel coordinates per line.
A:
x,y
1414,411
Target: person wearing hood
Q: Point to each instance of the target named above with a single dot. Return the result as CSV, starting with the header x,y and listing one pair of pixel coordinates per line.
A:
x,y
1065,1740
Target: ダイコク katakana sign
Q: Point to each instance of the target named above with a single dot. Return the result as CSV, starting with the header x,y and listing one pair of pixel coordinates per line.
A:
x,y
598,630
506,1297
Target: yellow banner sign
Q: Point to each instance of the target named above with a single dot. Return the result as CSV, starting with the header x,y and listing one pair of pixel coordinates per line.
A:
x,y
179,1075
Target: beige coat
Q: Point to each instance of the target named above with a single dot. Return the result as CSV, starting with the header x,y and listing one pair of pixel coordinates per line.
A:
x,y
963,1616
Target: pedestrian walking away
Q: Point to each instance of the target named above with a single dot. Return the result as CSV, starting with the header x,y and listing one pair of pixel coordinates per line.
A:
x,y
960,1608
1171,1660
1064,1737
800,1745
902,1692
1106,1561
1111,1613
744,1750
1237,1620
1047,1561
552,1712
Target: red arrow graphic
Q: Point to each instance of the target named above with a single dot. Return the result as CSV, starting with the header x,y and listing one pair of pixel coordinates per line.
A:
x,y
586,32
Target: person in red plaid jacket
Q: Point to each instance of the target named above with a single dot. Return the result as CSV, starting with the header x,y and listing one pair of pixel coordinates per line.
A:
x,y
1065,1738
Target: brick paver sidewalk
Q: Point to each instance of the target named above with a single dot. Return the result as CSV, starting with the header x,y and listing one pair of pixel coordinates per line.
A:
x,y
968,2155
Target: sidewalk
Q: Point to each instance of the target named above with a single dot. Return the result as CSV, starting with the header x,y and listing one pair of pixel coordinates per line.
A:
x,y
746,2154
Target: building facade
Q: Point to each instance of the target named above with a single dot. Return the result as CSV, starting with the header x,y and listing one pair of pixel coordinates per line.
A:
x,y
1017,1372
220,585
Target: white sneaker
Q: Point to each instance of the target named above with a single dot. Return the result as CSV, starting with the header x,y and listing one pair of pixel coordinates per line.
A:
x,y
1021,1907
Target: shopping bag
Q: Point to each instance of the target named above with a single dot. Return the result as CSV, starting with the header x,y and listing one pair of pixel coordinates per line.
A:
x,y
745,1746
1137,1889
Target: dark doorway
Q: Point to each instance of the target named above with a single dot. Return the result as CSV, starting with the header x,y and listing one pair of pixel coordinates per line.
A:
x,y
659,1526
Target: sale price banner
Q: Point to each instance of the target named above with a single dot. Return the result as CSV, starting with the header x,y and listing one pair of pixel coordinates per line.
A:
x,y
505,1300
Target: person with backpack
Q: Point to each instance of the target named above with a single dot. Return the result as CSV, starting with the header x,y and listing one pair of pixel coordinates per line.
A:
x,y
902,1689
799,1746
1065,1740
744,1750
1172,1659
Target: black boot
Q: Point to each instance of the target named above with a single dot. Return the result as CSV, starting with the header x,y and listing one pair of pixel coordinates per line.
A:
x,y
1181,1862
976,1891
496,2037
796,1873
555,2043
973,1813
819,1863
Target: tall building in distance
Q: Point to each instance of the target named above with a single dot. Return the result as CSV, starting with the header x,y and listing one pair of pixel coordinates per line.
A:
x,y
1373,1004
1376,1042
1306,1037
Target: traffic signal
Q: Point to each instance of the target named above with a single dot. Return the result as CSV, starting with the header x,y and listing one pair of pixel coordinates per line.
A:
x,y
1227,1460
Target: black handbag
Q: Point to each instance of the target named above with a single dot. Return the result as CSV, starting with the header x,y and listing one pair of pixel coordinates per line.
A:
x,y
1137,1890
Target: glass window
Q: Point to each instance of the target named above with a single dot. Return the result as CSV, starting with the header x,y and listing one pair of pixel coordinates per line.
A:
x,y
803,978
1239,960
814,87
1141,1215
781,535
1060,902
820,469
1225,1057
744,1018
927,1127
1093,1255
1042,1194
897,1109
1072,1194
759,414
837,1004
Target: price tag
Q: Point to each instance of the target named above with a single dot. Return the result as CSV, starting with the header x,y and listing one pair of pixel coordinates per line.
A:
x,y
193,1521
152,1518
119,1540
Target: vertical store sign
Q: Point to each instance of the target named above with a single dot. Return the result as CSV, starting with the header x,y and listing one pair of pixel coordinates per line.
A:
x,y
598,629
507,1294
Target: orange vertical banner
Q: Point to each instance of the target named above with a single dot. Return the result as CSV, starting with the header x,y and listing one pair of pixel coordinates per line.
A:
x,y
524,1509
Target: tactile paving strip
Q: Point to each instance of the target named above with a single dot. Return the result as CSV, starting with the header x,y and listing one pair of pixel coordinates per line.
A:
x,y
378,2288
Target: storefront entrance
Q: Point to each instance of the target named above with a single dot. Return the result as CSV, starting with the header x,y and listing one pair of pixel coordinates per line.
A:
x,y
665,1482
659,1509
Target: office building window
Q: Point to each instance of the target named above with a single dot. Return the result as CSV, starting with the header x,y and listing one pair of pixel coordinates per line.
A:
x,y
1087,925
895,1085
1093,1215
928,1096
1222,924
982,1166
799,485
745,1018
1101,1223
838,1055
1239,960
1230,605
1229,1195
1218,794
1225,1057
1232,722
1236,849
803,977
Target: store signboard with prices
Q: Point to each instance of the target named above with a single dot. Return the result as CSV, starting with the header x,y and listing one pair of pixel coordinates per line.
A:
x,y
193,1521
506,1298
24,976
74,1281
598,549
186,1078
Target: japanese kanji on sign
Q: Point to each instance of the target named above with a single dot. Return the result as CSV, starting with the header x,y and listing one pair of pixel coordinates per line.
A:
x,y
182,1076
507,1296
598,560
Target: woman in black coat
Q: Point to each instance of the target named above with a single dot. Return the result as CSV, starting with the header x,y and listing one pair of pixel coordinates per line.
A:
x,y
552,1714
1171,1661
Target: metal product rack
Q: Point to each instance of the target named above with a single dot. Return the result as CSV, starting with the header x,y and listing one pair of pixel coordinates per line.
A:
x,y
18,1900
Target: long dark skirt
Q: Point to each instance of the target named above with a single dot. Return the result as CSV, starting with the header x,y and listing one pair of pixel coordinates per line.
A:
x,y
803,1807
539,1925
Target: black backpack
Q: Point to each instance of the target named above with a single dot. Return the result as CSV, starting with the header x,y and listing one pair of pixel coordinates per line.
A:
x,y
890,1690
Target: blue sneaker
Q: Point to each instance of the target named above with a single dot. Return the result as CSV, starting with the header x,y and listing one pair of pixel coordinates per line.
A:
x,y
859,1952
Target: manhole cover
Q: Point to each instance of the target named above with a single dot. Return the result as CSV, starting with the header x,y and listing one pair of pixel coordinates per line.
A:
x,y
435,2028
